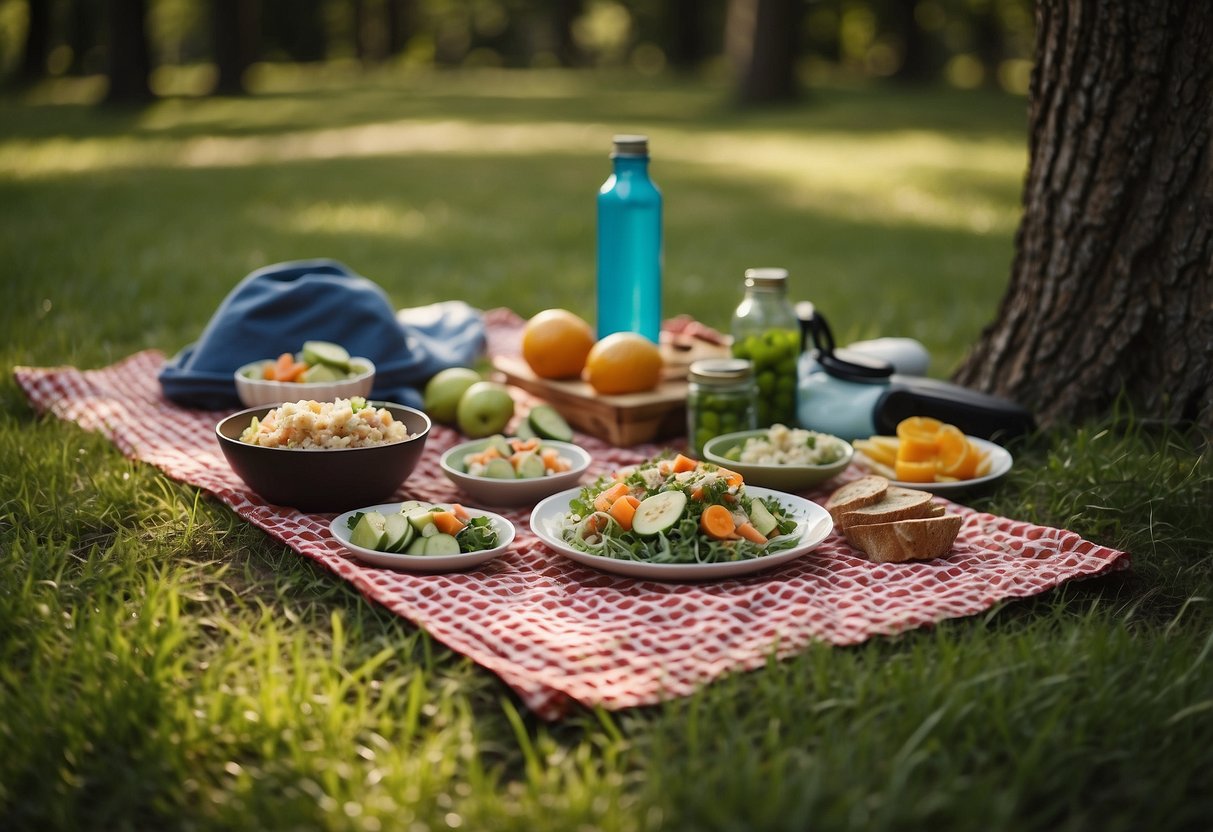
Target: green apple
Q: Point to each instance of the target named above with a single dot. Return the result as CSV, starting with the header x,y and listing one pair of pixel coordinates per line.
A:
x,y
444,390
484,409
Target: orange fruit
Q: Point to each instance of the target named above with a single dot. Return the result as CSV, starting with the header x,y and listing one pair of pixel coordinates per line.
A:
x,y
957,456
555,343
623,362
918,438
910,471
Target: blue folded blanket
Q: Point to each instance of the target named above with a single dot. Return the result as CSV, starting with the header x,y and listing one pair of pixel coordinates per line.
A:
x,y
275,309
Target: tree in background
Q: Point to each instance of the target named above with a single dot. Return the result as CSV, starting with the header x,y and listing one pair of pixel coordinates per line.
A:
x,y
129,57
233,43
1112,285
762,39
37,46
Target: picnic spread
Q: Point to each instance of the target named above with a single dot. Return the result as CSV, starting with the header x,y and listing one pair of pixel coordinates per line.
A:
x,y
554,626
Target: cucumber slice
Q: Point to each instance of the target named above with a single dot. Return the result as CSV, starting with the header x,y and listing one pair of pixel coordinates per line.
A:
x,y
417,547
324,352
441,544
547,423
499,469
501,444
398,533
530,466
761,518
369,531
659,512
410,505
524,430
321,373
422,521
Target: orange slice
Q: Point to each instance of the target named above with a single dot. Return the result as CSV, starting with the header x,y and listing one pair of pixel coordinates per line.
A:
x,y
957,456
919,438
911,471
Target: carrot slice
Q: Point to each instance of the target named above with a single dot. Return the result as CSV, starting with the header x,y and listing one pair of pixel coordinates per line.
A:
x,y
524,444
604,500
731,477
447,523
283,366
748,531
623,510
459,511
683,463
295,373
717,521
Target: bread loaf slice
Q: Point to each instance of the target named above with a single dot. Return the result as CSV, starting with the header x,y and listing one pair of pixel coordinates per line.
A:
x,y
856,494
905,540
897,504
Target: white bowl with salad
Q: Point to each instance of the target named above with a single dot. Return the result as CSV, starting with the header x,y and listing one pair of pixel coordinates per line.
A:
x,y
504,470
788,459
321,370
418,536
679,519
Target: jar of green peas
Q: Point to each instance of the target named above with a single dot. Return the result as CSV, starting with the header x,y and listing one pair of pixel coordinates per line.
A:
x,y
720,399
766,332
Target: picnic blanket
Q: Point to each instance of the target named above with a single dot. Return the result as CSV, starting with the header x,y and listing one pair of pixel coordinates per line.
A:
x,y
557,632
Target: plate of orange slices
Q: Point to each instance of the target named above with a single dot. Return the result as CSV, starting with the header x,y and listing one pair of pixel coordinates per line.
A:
x,y
934,456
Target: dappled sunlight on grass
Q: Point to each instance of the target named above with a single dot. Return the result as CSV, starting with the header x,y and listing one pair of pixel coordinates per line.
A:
x,y
375,218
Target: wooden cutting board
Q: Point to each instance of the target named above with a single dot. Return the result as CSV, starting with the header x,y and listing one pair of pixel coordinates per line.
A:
x,y
623,420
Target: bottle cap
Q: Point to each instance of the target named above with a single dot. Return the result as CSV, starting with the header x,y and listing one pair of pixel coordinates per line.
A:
x,y
630,146
765,278
719,370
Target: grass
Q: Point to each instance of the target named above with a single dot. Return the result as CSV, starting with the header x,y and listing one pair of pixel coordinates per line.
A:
x,y
165,665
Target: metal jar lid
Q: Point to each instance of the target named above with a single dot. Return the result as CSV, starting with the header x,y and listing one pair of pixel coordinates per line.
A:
x,y
720,371
768,278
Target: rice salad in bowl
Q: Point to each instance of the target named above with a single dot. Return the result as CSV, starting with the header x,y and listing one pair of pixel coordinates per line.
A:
x,y
781,457
313,425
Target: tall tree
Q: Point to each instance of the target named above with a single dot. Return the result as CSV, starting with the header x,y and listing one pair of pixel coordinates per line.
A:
x,y
37,46
762,39
401,23
1112,283
233,43
129,56
683,33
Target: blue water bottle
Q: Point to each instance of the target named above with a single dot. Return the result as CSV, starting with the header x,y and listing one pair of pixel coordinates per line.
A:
x,y
629,244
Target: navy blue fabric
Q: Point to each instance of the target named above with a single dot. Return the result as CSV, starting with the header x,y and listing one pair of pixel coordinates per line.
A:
x,y
275,309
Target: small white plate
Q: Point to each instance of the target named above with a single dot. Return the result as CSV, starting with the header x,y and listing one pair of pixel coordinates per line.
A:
x,y
1000,464
422,563
815,526
518,492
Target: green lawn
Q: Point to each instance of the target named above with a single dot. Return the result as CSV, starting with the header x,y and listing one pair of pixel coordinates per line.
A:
x,y
164,665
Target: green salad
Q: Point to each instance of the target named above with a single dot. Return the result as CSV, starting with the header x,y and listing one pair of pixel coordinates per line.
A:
x,y
676,510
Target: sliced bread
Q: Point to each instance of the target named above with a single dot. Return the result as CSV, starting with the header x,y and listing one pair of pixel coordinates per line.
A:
x,y
897,504
903,540
856,494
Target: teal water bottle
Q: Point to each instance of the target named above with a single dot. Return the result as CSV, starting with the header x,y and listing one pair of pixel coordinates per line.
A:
x,y
629,244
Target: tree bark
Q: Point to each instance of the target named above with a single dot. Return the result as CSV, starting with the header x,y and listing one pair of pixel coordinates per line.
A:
x,y
233,39
683,34
129,55
37,45
1111,289
762,38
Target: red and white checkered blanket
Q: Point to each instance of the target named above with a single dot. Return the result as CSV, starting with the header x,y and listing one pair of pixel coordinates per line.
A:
x,y
558,632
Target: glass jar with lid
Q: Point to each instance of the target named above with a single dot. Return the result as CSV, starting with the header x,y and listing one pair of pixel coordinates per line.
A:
x,y
766,332
720,399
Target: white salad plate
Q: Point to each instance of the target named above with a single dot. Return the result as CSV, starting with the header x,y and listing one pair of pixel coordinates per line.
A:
x,y
422,563
1000,464
814,526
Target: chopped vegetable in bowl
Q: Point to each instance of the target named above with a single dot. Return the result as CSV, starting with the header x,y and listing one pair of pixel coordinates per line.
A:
x,y
675,511
782,445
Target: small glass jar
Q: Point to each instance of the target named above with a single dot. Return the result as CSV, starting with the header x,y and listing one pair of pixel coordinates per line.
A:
x,y
766,332
720,399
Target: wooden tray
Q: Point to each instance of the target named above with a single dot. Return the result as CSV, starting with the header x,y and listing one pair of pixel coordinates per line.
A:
x,y
623,420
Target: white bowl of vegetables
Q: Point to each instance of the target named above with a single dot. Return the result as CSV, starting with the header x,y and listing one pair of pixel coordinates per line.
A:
x,y
321,371
787,459
514,471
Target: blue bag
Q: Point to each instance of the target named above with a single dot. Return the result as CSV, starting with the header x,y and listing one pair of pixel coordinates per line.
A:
x,y
275,309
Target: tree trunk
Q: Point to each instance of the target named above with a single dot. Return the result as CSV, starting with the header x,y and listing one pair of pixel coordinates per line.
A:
x,y
37,45
233,38
1112,284
682,25
129,56
916,66
762,38
401,24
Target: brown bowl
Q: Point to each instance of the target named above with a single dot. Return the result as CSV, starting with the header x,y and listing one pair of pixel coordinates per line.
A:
x,y
329,480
